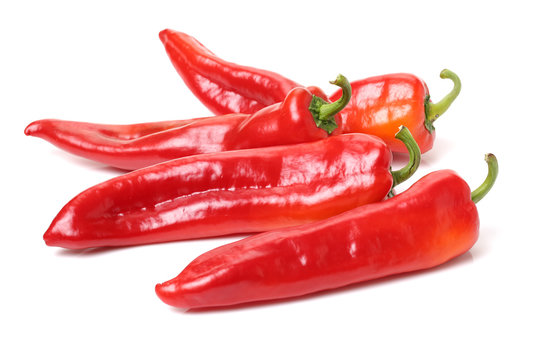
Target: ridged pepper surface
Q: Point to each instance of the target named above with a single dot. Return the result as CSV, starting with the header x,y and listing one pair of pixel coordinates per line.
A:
x,y
232,192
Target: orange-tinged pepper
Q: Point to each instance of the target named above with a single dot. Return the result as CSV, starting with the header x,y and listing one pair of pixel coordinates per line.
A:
x,y
379,104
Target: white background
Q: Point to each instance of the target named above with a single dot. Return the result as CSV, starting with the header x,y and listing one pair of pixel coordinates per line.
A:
x,y
103,62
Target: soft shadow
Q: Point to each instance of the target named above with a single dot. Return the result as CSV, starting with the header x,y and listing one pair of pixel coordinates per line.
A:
x,y
90,252
483,245
111,249
458,261
441,147
87,163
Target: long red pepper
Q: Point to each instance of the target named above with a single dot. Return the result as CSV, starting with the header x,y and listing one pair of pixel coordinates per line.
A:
x,y
433,221
230,192
223,87
379,105
301,117
135,146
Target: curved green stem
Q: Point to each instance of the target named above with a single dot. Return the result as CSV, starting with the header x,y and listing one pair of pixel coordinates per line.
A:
x,y
328,110
323,112
493,171
433,111
406,172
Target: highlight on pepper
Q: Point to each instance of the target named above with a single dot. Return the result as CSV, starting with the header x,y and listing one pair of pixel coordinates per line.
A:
x,y
432,222
309,174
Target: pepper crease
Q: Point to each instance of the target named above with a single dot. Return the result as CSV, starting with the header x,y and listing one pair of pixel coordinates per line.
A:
x,y
302,116
241,191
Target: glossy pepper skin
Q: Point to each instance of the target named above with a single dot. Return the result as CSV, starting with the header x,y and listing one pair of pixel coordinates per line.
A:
x,y
432,222
134,146
223,193
301,117
379,104
223,87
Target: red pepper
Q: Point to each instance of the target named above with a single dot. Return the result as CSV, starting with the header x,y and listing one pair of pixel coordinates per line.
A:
x,y
301,117
240,191
137,145
223,87
379,105
427,225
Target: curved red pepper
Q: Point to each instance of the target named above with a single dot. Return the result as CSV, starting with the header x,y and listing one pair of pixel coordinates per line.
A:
x,y
379,104
231,192
432,222
223,87
301,117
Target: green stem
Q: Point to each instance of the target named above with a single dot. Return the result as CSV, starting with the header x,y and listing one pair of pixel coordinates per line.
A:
x,y
433,111
406,172
328,110
323,112
493,171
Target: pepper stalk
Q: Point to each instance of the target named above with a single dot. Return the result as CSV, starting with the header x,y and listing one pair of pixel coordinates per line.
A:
x,y
433,111
324,112
408,170
493,171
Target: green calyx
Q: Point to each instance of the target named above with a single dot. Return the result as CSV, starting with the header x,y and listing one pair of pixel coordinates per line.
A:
x,y
329,124
324,112
493,171
408,170
433,111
